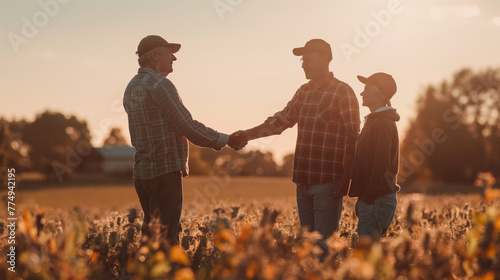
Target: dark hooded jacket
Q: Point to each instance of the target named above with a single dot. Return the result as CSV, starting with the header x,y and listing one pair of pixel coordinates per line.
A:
x,y
377,157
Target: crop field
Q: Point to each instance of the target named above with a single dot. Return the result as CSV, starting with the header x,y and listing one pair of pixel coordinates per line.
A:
x,y
245,228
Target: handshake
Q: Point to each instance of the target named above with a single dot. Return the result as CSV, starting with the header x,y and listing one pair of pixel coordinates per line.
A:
x,y
238,139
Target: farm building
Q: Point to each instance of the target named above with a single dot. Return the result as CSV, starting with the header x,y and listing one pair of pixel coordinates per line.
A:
x,y
117,159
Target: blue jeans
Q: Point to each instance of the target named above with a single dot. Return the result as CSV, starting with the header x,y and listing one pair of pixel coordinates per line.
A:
x,y
318,210
161,198
375,219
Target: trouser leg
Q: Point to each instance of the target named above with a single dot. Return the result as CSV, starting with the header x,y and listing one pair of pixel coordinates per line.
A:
x,y
327,210
165,202
171,212
365,215
385,209
305,207
144,200
374,219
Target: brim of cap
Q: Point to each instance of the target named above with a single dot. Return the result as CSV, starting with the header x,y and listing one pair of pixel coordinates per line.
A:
x,y
174,47
299,51
362,79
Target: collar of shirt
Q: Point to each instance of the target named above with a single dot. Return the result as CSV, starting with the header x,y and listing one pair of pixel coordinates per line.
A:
x,y
381,109
150,71
314,86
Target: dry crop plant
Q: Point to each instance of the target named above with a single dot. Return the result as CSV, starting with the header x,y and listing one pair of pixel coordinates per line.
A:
x,y
432,237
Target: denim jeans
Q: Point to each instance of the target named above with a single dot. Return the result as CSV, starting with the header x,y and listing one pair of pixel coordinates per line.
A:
x,y
318,210
375,219
161,198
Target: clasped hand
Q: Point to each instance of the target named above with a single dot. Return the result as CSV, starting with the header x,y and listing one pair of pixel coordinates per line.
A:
x,y
238,139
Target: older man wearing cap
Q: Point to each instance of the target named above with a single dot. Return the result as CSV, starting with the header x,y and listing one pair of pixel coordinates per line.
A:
x,y
159,124
377,158
327,113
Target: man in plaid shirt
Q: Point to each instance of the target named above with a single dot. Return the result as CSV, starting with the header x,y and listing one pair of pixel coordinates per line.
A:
x,y
327,113
159,125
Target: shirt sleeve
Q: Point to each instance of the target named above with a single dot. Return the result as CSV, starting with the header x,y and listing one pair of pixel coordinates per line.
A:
x,y
349,111
178,116
287,117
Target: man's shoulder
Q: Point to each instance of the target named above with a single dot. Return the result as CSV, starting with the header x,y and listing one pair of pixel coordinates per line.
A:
x,y
150,80
333,85
340,86
305,86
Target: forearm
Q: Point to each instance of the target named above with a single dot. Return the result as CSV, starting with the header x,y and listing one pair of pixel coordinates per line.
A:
x,y
180,119
200,135
279,122
260,131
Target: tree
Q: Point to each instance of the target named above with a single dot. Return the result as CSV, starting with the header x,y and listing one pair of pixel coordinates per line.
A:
x,y
197,166
58,144
203,161
261,164
115,138
456,132
10,155
287,166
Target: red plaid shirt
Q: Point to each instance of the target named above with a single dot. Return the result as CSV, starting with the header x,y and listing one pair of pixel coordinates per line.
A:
x,y
328,127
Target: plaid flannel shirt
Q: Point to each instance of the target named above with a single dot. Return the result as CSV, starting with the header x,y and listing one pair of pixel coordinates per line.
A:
x,y
159,124
328,127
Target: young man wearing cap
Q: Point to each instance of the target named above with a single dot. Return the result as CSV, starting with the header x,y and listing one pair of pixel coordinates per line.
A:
x,y
159,124
377,158
327,113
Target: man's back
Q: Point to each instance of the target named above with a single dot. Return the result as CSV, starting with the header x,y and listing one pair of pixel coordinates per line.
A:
x,y
159,148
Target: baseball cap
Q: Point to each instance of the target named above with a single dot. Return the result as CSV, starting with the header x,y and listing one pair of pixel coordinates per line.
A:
x,y
152,41
315,45
384,82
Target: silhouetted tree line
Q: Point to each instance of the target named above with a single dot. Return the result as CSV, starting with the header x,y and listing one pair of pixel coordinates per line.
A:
x,y
454,135
456,131
52,144
204,161
57,146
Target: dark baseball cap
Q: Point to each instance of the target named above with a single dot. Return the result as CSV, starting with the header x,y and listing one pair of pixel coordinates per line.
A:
x,y
152,41
315,45
384,82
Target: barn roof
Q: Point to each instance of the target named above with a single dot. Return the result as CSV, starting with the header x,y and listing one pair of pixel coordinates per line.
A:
x,y
116,152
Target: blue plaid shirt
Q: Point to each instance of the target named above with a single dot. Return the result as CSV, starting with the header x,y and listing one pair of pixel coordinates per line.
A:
x,y
159,124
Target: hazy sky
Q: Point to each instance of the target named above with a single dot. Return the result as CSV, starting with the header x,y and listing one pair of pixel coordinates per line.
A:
x,y
236,66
